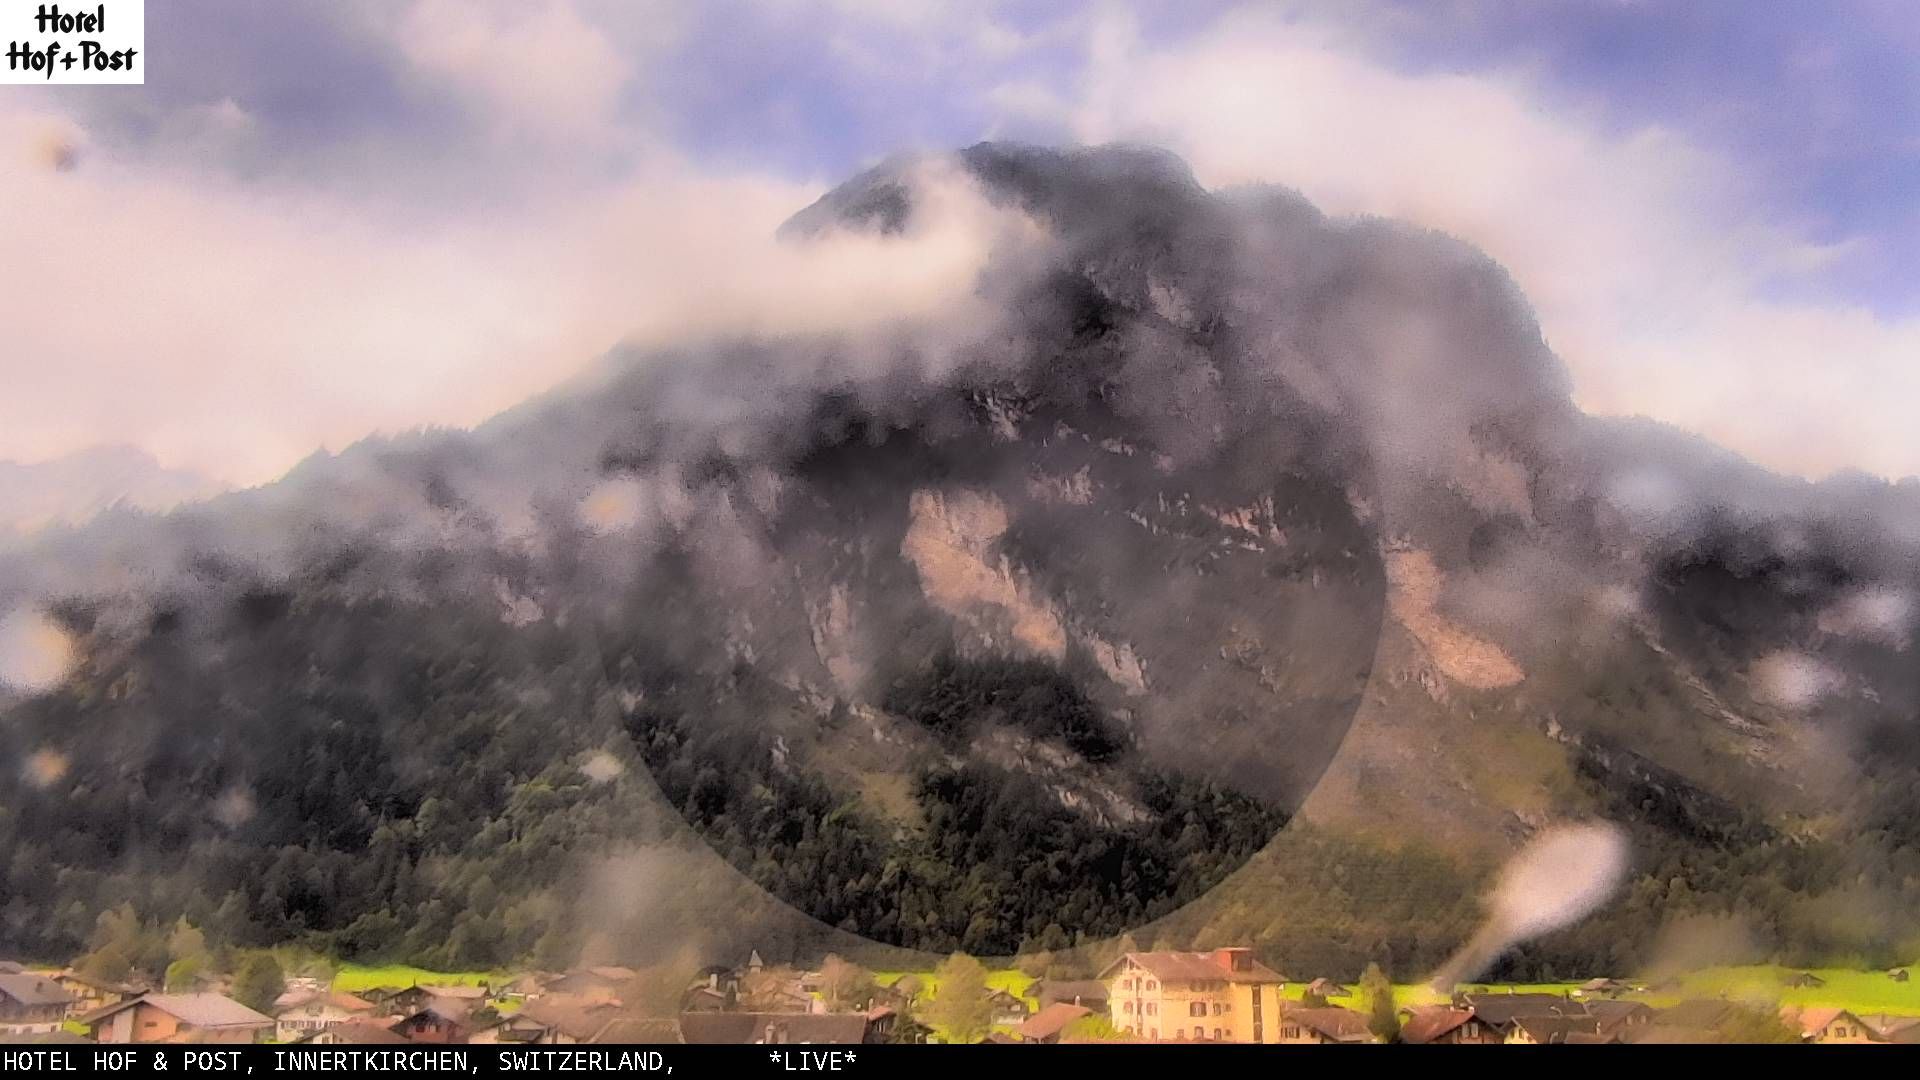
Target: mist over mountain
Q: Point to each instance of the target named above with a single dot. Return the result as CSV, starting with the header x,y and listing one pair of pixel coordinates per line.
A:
x,y
72,489
1224,571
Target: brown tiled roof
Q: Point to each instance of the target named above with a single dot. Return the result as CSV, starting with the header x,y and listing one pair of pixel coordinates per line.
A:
x,y
1340,1025
33,989
572,1017
1426,1023
1194,967
640,1030
361,1032
741,1028
1501,1010
1052,1020
198,1010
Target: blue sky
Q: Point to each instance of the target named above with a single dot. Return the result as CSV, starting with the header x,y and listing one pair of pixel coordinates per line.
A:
x,y
1696,195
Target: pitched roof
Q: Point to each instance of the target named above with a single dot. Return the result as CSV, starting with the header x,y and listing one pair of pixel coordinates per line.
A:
x,y
640,1030
741,1028
1052,1020
194,1010
1333,1022
1194,967
1426,1023
573,1017
8,967
1501,1010
33,989
339,999
360,1032
1555,1029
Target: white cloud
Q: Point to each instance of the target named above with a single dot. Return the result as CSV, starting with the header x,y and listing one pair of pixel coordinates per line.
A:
x,y
233,328
1651,275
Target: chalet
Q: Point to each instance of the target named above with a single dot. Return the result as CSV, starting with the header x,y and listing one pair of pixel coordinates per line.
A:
x,y
1225,994
556,1021
1326,988
1551,1030
1444,1024
1326,1024
1091,993
803,1028
1898,974
1615,1017
1806,980
1501,1011
1828,1025
606,982
1892,1028
299,1013
176,1018
356,1032
526,987
413,999
31,1004
642,1030
1047,1025
1007,1009
10,967
440,1022
1606,987
90,994
704,998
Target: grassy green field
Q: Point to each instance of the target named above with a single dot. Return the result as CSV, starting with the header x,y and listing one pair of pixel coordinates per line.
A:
x,y
355,977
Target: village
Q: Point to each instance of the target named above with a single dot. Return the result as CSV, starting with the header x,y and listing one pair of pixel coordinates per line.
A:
x,y
1224,995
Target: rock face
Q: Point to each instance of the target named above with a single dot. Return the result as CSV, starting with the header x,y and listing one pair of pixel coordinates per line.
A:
x,y
1047,637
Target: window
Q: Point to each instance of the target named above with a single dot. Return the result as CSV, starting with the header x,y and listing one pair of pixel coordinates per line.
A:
x,y
1156,1034
1198,1008
1129,1008
1179,1033
1216,1033
1218,1008
1151,985
1153,1009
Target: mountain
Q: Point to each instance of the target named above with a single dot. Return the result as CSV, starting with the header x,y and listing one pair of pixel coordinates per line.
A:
x,y
72,489
1245,574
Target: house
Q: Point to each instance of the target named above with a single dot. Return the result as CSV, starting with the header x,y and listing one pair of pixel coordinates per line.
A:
x,y
704,998
1007,1009
1830,1025
1047,1025
1444,1024
1806,980
1326,988
1501,1011
1616,1017
640,1030
1325,1024
443,1020
10,967
299,1013
605,981
413,999
1549,1030
527,986
553,1021
801,1028
1225,994
90,994
1894,1028
175,1018
31,1004
1607,987
1898,974
1089,992
355,1032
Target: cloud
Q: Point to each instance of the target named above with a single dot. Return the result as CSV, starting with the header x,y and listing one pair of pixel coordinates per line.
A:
x,y
1653,276
231,327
